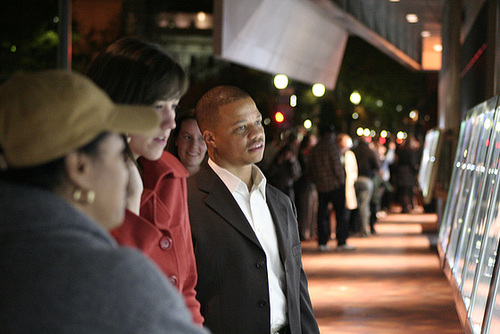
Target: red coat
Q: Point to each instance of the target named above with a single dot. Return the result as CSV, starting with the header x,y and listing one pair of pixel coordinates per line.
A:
x,y
162,231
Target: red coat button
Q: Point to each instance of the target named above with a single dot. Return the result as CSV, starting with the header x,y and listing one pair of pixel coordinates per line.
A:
x,y
174,280
166,243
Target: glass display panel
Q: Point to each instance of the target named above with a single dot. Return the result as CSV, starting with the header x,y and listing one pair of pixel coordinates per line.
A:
x,y
492,319
464,189
485,276
446,222
486,237
475,171
428,163
480,203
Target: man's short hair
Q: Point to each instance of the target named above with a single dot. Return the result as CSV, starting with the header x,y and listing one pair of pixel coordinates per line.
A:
x,y
207,108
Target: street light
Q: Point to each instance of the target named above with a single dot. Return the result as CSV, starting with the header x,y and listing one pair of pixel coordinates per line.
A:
x,y
280,81
318,90
355,97
307,124
279,117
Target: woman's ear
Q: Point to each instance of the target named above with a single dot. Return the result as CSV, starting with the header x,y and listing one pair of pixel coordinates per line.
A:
x,y
78,170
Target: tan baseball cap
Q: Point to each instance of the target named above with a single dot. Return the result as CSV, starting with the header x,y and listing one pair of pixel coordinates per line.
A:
x,y
45,115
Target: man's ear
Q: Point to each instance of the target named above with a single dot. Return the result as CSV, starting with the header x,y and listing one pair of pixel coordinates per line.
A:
x,y
209,139
78,170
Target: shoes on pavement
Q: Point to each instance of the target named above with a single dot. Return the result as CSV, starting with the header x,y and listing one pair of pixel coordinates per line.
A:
x,y
345,247
323,248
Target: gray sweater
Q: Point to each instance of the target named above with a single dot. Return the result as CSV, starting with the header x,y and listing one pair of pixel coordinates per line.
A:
x,y
60,272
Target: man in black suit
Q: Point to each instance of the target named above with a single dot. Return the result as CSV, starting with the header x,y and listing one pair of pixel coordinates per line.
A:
x,y
245,235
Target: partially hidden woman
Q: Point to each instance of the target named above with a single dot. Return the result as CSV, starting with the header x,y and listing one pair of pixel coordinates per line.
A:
x,y
348,159
136,72
187,143
63,184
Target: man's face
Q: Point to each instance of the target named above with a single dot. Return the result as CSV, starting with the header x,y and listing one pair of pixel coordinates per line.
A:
x,y
238,137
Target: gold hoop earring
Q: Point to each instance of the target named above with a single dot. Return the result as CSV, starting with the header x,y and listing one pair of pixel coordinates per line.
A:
x,y
77,195
89,197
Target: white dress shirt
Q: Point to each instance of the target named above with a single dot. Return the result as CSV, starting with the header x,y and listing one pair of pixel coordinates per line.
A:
x,y
254,206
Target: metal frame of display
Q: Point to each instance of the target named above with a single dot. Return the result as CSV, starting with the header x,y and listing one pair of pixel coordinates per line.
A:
x,y
469,234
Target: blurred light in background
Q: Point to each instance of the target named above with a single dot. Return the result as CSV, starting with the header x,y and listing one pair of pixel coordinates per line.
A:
x,y
308,124
437,47
279,117
487,123
203,21
412,18
400,136
413,114
280,81
355,97
318,90
425,34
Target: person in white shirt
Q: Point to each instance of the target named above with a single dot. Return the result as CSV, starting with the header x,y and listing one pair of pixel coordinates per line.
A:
x,y
245,235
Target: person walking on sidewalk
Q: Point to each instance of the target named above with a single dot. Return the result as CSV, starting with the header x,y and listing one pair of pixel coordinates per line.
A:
x,y
327,172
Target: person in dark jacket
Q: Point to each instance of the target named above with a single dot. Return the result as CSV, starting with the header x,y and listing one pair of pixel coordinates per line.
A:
x,y
368,166
245,237
327,172
63,186
284,171
406,172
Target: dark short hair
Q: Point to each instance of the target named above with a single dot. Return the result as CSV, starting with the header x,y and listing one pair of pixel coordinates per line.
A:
x,y
207,108
132,71
49,175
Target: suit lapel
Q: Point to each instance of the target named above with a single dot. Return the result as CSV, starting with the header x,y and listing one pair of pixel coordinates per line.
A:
x,y
221,200
280,219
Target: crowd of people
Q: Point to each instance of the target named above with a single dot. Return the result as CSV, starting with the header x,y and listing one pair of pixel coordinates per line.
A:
x,y
118,214
345,184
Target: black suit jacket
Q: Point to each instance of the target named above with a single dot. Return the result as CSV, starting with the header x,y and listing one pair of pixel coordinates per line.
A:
x,y
232,273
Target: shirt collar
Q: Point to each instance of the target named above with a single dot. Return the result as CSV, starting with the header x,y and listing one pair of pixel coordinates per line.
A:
x,y
233,183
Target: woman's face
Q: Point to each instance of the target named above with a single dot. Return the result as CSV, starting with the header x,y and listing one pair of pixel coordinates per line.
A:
x,y
151,147
108,178
191,147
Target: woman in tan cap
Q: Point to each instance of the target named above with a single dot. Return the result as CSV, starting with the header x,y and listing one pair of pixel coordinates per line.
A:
x,y
63,184
136,72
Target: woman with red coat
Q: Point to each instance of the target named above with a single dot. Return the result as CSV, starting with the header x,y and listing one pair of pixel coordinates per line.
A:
x,y
156,221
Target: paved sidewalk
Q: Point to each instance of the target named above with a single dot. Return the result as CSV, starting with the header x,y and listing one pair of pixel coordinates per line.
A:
x,y
391,283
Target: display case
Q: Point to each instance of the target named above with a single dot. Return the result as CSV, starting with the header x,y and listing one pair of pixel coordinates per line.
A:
x,y
427,171
457,184
470,229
